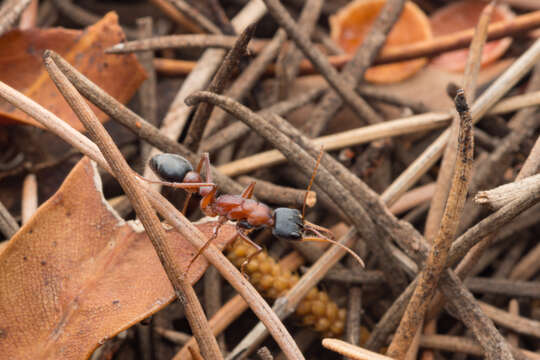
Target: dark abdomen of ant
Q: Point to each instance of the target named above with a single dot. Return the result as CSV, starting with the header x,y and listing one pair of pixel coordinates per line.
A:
x,y
170,167
244,210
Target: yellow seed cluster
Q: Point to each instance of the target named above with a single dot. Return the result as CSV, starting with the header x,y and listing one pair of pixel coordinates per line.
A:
x,y
272,281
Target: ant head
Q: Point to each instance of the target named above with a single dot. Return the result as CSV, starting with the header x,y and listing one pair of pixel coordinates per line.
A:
x,y
288,224
170,167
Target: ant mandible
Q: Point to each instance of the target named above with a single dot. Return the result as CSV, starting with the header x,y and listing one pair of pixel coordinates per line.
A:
x,y
286,223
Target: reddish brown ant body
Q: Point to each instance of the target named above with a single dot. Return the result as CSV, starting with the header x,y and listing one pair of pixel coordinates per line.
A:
x,y
286,223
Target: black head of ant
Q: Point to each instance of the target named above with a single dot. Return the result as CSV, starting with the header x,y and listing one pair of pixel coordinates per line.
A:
x,y
291,225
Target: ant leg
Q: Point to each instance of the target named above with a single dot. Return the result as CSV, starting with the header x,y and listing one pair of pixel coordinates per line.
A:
x,y
178,185
190,193
257,247
221,221
248,192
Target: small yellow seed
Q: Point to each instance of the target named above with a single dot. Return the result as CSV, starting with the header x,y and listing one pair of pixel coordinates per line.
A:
x,y
252,266
342,314
280,284
323,296
337,328
312,294
255,278
266,282
318,308
331,311
322,324
265,267
309,320
303,308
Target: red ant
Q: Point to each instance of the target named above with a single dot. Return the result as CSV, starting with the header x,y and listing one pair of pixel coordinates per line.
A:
x,y
286,223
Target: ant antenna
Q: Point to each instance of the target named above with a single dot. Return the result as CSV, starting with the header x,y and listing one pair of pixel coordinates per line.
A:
x,y
316,229
311,180
323,239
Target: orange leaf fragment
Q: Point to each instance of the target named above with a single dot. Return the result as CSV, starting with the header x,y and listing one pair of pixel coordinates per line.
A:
x,y
77,274
464,15
21,67
349,26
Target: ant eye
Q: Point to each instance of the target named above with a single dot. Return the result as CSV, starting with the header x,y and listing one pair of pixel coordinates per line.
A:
x,y
170,167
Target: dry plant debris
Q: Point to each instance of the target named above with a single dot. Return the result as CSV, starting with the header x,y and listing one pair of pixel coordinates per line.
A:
x,y
74,273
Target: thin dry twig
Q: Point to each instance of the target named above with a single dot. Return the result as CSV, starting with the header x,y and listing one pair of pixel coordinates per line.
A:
x,y
505,287
8,224
225,71
28,18
275,194
504,194
338,82
123,173
29,203
532,164
10,12
148,89
195,16
175,15
436,261
352,351
461,345
354,71
444,177
174,42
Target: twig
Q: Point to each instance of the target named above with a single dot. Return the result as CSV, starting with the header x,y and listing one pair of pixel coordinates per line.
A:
x,y
338,82
436,261
480,107
275,194
519,324
84,17
174,42
194,15
177,337
413,198
504,194
8,224
505,287
175,15
169,212
10,12
340,140
364,277
513,308
238,129
123,173
444,178
353,72
147,91
264,354
289,60
213,299
248,79
29,202
352,351
527,266
391,128
372,92
461,345
225,71
28,18
532,164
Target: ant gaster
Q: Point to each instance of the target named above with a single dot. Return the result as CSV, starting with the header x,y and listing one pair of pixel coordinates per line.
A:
x,y
286,223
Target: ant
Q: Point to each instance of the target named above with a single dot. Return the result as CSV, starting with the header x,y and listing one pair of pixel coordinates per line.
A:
x,y
286,223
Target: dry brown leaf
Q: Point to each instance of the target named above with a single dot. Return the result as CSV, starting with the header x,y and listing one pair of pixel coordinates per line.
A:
x,y
77,274
21,66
